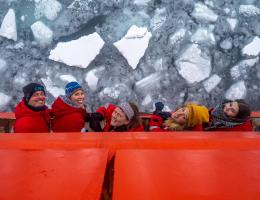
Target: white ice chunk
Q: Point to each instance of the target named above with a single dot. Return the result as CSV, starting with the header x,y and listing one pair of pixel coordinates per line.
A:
x,y
8,26
209,3
67,78
236,91
232,23
158,19
212,82
114,92
227,10
158,65
242,67
134,44
22,18
48,8
193,65
20,79
147,100
141,2
226,44
92,79
2,65
51,88
253,48
78,52
249,10
203,13
203,36
148,83
177,36
42,33
4,99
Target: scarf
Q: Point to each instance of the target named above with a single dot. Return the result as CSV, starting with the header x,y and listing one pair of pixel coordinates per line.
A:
x,y
220,120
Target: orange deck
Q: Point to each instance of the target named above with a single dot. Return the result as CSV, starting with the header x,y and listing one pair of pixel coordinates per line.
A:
x,y
178,165
187,174
52,174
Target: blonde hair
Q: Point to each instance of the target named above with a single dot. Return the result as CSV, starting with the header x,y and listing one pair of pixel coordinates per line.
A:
x,y
197,116
170,124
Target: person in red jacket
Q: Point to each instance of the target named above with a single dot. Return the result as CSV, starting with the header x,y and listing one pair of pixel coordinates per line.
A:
x,y
122,118
230,116
69,111
32,115
189,117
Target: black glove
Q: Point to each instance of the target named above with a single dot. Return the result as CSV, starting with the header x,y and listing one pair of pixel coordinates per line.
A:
x,y
94,120
163,115
93,116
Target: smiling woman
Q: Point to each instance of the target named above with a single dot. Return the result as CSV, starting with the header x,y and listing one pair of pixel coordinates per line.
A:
x,y
230,116
69,111
121,118
188,117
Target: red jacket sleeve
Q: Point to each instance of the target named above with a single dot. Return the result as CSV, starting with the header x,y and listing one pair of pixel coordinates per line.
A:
x,y
155,123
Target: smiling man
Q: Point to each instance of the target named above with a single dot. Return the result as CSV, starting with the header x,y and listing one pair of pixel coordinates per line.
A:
x,y
32,115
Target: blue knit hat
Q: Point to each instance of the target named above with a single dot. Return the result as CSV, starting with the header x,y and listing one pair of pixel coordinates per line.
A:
x,y
71,88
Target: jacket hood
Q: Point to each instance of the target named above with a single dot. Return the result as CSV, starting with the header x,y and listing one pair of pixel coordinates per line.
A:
x,y
22,110
63,106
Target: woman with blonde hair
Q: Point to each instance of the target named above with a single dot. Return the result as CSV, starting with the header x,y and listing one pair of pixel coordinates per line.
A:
x,y
189,117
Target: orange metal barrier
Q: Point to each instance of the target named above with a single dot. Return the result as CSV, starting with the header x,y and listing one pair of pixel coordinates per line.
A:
x,y
187,174
52,174
134,140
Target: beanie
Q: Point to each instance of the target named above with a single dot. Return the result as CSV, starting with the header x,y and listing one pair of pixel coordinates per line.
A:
x,y
71,88
127,109
159,106
30,89
197,115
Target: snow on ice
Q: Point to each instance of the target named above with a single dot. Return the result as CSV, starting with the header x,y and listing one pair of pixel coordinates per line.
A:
x,y
42,33
78,52
236,91
134,44
211,82
193,65
8,26
202,13
253,48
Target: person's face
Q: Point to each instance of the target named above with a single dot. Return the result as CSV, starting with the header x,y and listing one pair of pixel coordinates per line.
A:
x,y
118,118
78,98
231,109
180,116
37,99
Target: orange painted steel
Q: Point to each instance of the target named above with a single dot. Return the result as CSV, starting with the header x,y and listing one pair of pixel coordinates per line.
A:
x,y
7,115
52,174
187,174
255,114
131,140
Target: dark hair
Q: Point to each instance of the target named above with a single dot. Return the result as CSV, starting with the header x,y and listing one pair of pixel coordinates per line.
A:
x,y
136,120
244,111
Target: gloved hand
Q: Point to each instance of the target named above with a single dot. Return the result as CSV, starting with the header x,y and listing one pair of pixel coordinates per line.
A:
x,y
94,120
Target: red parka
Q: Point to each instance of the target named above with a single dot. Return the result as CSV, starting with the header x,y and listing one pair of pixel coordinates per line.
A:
x,y
156,125
67,118
107,111
30,121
